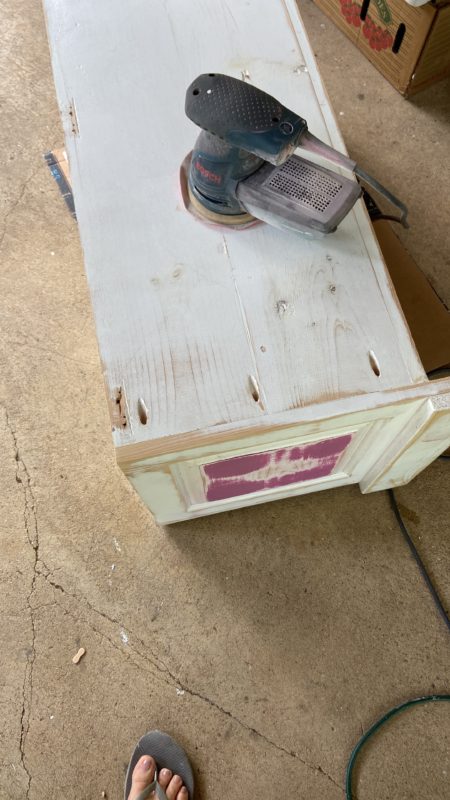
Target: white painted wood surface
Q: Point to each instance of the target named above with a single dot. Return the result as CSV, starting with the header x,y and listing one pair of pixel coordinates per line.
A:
x,y
186,313
420,441
396,435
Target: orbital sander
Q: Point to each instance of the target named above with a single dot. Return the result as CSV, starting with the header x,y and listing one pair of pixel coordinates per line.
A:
x,y
243,166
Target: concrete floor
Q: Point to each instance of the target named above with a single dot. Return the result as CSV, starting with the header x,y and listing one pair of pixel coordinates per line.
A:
x,y
265,639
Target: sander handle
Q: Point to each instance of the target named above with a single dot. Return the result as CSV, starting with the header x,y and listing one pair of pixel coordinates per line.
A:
x,y
314,145
244,116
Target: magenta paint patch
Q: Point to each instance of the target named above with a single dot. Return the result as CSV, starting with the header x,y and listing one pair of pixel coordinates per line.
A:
x,y
241,465
254,473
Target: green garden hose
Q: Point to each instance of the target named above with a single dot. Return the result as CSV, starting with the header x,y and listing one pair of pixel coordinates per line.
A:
x,y
432,698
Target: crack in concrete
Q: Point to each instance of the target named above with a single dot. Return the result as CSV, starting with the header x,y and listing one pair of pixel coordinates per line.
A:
x,y
32,532
50,351
16,202
171,679
112,620
23,478
19,197
260,735
31,528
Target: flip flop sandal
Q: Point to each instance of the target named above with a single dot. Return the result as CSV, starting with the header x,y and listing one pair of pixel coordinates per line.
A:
x,y
168,755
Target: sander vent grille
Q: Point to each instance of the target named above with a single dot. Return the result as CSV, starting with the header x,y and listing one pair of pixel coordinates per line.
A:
x,y
298,195
298,180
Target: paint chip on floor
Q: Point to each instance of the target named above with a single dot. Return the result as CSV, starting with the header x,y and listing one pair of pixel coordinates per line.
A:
x,y
79,655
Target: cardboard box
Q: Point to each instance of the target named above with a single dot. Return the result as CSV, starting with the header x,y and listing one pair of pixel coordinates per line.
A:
x,y
409,45
427,317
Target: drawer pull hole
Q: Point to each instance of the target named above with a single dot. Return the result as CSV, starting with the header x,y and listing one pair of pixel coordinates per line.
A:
x,y
142,411
374,363
254,388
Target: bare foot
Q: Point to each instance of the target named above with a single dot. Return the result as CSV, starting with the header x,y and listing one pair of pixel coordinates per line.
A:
x,y
143,774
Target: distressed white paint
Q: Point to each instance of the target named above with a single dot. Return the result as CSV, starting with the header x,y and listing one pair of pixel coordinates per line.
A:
x,y
168,508
390,445
189,318
317,418
422,440
181,320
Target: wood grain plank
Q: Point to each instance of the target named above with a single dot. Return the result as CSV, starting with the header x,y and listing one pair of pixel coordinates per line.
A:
x,y
181,320
422,440
358,408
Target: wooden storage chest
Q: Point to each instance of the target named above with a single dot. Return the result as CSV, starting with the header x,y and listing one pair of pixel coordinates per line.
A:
x,y
244,366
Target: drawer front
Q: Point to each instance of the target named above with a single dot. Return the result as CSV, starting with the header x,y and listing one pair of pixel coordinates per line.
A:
x,y
272,469
378,448
268,471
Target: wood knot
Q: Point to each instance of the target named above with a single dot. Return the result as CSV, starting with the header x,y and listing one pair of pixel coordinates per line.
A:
x,y
282,306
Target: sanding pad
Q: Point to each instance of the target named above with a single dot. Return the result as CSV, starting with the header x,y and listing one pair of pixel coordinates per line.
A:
x,y
193,205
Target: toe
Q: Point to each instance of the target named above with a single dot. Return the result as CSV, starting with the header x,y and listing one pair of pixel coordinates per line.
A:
x,y
164,778
182,794
174,787
143,775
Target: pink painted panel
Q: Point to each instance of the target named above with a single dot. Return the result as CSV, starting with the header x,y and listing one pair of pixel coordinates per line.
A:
x,y
253,473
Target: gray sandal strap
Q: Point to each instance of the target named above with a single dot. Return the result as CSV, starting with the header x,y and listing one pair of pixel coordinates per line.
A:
x,y
167,753
154,787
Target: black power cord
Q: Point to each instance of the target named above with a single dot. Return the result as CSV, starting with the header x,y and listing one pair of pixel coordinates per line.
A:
x,y
376,214
418,700
415,554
